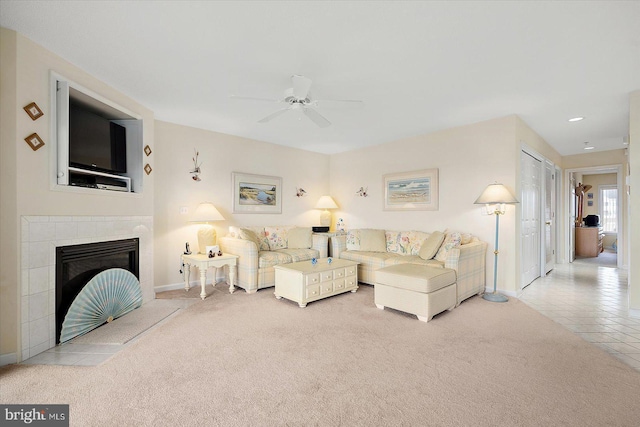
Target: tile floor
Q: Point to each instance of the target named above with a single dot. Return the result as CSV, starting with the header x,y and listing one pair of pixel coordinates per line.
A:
x,y
590,299
95,354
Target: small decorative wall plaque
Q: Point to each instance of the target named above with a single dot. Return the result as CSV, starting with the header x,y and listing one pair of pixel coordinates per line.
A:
x,y
33,111
147,150
300,192
34,141
147,169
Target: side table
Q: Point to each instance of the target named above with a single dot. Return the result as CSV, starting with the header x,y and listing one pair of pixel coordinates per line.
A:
x,y
202,262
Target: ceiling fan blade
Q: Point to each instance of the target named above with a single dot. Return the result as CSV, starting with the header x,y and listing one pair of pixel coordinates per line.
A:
x,y
301,86
341,103
316,117
274,115
250,98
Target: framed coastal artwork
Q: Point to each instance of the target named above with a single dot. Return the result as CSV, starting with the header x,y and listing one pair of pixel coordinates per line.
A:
x,y
256,193
411,191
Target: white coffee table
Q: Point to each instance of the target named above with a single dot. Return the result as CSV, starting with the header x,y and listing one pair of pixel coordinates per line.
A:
x,y
304,282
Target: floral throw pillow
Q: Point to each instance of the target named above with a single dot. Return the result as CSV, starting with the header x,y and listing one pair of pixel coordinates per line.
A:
x,y
262,238
416,239
451,241
353,240
277,237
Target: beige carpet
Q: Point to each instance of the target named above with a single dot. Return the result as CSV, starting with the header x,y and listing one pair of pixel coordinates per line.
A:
x,y
251,360
125,328
194,292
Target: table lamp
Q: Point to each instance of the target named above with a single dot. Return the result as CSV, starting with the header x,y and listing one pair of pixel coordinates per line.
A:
x,y
206,213
495,196
326,203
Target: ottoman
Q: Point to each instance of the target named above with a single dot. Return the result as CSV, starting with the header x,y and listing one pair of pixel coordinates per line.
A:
x,y
416,289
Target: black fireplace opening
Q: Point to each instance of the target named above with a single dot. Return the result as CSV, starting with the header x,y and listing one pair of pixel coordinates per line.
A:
x,y
76,265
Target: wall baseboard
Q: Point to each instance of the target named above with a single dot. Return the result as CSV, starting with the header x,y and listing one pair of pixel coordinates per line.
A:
x,y
174,286
8,359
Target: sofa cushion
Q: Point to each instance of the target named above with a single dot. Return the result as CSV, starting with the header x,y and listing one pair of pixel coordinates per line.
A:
x,y
353,240
416,278
414,259
372,240
271,258
259,231
299,238
250,235
405,242
374,260
299,254
431,245
452,240
277,237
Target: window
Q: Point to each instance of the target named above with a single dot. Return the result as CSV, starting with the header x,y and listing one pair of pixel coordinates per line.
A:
x,y
609,208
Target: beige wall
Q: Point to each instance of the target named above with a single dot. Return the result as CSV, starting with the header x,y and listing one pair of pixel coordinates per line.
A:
x,y
221,155
595,181
33,172
587,160
468,159
634,203
9,224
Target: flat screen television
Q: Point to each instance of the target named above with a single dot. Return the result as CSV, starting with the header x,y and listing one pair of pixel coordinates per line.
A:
x,y
96,143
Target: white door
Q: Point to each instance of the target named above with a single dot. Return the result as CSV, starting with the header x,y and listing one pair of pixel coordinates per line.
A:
x,y
549,217
531,169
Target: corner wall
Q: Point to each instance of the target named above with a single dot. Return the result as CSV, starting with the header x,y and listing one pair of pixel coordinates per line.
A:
x,y
221,155
468,159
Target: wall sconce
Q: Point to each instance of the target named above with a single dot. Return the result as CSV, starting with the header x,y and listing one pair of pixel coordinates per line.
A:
x,y
196,167
363,192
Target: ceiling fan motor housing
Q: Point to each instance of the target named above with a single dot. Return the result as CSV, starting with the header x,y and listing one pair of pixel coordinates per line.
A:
x,y
290,98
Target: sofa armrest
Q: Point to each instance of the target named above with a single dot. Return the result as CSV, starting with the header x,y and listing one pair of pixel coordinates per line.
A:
x,y
338,245
321,244
469,262
247,252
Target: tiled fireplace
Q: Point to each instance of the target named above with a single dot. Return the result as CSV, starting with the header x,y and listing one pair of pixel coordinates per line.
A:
x,y
40,236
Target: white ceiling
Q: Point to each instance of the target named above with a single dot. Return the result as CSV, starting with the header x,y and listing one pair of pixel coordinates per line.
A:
x,y
419,67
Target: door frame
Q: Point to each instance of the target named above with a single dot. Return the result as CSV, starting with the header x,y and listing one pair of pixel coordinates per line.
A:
x,y
595,170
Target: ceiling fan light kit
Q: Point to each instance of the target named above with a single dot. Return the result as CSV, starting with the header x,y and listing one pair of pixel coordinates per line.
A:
x,y
298,97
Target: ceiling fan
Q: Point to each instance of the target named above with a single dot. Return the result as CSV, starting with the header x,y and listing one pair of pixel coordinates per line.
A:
x,y
298,97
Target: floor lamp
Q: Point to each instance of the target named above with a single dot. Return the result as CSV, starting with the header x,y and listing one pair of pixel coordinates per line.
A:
x,y
495,196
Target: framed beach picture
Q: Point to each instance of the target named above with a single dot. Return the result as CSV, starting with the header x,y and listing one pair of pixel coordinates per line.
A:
x,y
256,193
411,191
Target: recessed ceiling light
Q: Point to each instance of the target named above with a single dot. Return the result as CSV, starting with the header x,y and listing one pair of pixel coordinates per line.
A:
x,y
576,119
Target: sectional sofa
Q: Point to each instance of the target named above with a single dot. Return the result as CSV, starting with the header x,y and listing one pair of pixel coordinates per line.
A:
x,y
374,249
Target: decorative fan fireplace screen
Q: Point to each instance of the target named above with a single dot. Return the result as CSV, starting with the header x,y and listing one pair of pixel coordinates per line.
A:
x,y
113,271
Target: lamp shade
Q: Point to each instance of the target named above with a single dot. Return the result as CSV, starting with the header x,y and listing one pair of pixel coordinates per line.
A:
x,y
494,194
326,202
206,212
